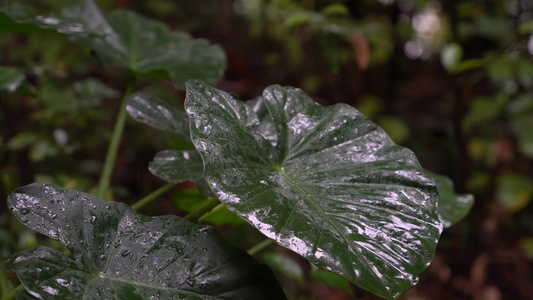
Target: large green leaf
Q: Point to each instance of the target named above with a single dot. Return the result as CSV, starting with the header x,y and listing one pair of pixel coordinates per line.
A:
x,y
452,207
141,45
121,254
158,114
329,184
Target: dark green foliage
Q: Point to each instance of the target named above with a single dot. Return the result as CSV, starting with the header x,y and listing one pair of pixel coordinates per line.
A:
x,y
120,253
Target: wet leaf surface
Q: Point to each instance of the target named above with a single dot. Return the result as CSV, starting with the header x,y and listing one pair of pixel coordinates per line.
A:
x,y
121,254
324,182
123,38
178,166
452,207
159,114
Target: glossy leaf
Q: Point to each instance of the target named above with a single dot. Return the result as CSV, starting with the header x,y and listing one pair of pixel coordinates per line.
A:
x,y
178,166
141,45
121,254
12,80
159,114
329,184
148,47
452,207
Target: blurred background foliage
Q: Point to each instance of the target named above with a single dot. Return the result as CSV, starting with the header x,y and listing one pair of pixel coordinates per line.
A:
x,y
452,80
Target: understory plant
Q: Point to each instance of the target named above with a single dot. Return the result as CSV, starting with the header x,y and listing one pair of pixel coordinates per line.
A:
x,y
323,182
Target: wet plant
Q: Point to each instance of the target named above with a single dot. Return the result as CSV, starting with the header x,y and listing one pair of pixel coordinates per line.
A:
x,y
324,182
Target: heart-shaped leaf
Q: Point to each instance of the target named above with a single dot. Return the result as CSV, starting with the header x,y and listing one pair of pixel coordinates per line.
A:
x,y
178,166
329,184
141,45
121,254
159,114
452,207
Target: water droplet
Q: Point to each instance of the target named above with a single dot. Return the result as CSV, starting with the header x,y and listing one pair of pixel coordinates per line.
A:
x,y
24,211
125,253
92,220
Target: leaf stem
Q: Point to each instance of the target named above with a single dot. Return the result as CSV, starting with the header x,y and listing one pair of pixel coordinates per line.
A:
x,y
153,196
206,208
13,293
112,151
214,210
260,247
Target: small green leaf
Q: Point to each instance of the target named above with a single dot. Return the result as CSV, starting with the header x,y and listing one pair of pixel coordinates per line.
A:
x,y
285,265
11,80
324,182
158,114
452,207
121,254
178,166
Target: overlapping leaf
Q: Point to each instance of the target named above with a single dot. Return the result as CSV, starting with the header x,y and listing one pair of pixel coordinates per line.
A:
x,y
159,114
126,39
179,166
322,181
169,165
452,207
121,254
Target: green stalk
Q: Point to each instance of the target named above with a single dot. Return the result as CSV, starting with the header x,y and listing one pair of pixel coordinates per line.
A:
x,y
202,210
13,293
112,151
217,208
260,247
153,196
